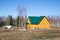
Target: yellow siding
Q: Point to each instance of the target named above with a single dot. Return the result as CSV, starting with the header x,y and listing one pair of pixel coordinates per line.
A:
x,y
31,26
44,24
28,21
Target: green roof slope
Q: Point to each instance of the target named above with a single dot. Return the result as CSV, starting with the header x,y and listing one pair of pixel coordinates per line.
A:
x,y
35,20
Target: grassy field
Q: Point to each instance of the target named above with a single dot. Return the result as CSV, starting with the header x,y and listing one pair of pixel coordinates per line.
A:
x,y
6,34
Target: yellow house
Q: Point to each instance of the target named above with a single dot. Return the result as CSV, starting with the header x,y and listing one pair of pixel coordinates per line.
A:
x,y
38,22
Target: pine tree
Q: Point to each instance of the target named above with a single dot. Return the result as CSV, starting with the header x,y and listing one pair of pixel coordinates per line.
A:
x,y
17,21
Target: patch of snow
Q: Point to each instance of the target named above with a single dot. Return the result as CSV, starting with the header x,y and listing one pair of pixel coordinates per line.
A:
x,y
8,26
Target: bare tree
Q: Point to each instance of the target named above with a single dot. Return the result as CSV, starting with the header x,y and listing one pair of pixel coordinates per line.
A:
x,y
55,21
22,15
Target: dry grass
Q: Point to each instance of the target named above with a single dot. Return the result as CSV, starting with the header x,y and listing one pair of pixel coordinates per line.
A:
x,y
6,34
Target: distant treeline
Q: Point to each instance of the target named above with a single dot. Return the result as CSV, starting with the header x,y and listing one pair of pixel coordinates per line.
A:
x,y
55,21
11,21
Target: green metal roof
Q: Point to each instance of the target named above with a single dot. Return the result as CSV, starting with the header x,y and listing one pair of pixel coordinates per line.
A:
x,y
35,20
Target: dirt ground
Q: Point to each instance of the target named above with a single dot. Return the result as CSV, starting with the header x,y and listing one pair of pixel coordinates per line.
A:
x,y
6,34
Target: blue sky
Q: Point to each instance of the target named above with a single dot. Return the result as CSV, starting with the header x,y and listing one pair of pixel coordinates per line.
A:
x,y
34,7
